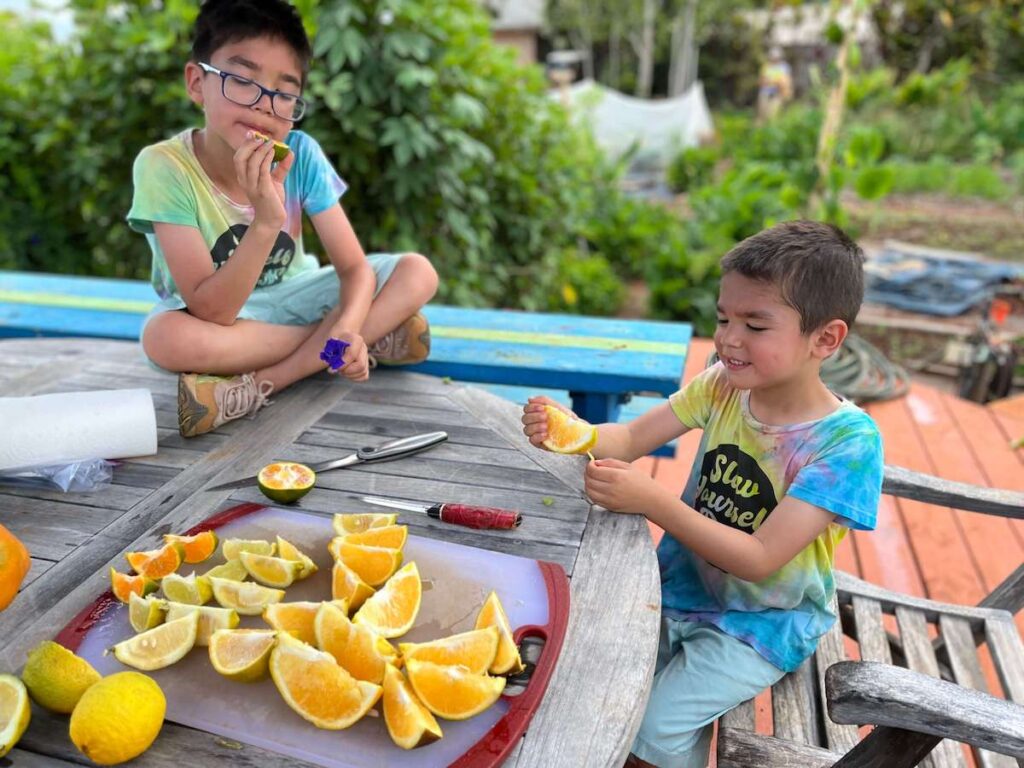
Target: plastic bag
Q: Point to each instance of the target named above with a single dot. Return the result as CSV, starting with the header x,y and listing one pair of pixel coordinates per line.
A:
x,y
90,475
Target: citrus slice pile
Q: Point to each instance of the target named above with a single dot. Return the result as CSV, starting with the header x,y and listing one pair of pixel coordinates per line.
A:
x,y
242,654
271,571
210,619
285,481
475,650
568,434
191,589
232,548
297,618
245,597
314,685
392,611
346,585
145,612
196,548
289,551
123,585
363,653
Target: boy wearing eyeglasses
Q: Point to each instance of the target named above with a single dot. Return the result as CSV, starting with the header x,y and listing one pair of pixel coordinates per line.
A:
x,y
244,311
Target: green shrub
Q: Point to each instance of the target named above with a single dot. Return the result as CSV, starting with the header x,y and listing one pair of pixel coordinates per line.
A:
x,y
585,284
692,168
940,176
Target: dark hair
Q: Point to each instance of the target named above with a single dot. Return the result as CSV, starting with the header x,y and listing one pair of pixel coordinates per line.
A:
x,y
819,270
227,21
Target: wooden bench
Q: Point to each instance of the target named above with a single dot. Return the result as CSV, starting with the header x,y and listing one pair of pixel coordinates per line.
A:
x,y
594,364
919,673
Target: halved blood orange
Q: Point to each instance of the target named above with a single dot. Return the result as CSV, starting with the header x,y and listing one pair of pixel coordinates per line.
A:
x,y
568,434
285,481
197,548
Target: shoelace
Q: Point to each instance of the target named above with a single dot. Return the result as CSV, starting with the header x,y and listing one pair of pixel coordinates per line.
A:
x,y
244,397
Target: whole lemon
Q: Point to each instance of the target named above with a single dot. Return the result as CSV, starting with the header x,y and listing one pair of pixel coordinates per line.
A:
x,y
56,678
118,718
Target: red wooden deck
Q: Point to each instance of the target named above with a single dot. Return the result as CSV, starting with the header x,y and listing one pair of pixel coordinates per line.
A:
x,y
919,549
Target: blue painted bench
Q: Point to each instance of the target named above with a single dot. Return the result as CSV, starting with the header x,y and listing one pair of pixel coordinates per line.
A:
x,y
594,364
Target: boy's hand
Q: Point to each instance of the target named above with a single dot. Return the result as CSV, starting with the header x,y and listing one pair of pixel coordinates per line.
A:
x,y
264,187
621,487
535,419
356,367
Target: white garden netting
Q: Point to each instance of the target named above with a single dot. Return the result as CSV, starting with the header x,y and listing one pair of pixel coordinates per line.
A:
x,y
659,129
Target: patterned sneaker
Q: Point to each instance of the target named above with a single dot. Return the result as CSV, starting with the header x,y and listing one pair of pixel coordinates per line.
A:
x,y
408,343
205,402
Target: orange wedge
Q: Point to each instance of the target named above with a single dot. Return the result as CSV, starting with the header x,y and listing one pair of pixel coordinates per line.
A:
x,y
567,434
410,723
157,563
475,650
393,609
453,693
358,649
493,615
124,585
357,523
392,536
242,654
346,585
289,551
374,565
313,684
196,548
297,618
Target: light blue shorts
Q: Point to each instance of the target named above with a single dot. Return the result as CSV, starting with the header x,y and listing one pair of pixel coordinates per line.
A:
x,y
301,300
701,673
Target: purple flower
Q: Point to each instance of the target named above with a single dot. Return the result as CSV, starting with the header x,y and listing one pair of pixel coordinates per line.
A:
x,y
333,352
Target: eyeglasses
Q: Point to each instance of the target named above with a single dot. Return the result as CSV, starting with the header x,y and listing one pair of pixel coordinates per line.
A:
x,y
246,92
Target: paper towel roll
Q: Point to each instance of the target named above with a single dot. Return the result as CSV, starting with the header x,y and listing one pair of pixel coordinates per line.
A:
x,y
74,426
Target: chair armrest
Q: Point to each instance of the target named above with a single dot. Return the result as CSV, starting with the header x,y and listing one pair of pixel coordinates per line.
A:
x,y
909,484
867,692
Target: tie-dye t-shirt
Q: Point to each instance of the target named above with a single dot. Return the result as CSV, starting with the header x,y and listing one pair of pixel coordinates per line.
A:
x,y
742,471
171,187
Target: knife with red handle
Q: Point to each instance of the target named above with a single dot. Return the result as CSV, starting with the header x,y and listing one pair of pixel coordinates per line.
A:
x,y
457,514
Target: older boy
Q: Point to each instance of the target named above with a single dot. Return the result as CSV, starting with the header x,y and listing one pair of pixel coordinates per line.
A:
x,y
785,468
241,302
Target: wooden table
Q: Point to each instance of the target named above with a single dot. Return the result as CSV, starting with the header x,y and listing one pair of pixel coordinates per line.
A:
x,y
596,698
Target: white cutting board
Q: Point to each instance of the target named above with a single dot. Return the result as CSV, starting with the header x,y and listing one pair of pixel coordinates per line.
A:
x,y
456,580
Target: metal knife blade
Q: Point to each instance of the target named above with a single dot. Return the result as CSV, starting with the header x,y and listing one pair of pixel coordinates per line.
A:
x,y
393,449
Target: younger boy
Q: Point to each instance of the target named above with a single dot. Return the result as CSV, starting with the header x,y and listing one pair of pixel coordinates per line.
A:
x,y
784,468
241,302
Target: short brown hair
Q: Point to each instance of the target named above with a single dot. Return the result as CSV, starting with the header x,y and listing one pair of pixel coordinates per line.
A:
x,y
819,270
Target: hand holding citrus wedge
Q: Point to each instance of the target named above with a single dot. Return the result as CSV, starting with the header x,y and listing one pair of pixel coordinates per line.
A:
x,y
567,433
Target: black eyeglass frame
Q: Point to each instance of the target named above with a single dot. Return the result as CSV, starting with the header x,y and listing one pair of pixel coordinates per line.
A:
x,y
301,105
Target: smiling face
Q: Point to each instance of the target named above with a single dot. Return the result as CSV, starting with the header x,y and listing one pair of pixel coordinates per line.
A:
x,y
270,62
758,337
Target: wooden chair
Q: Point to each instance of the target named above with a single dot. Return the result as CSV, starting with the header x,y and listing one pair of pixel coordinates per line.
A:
x,y
923,689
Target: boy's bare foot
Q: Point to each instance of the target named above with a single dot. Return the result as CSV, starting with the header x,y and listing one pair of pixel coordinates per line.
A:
x,y
205,402
408,343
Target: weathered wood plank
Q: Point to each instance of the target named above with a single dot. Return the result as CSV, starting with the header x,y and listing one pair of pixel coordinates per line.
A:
x,y
795,707
38,567
616,566
740,717
868,692
920,656
25,759
919,486
738,748
51,530
931,609
871,635
1008,653
831,650
1009,595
